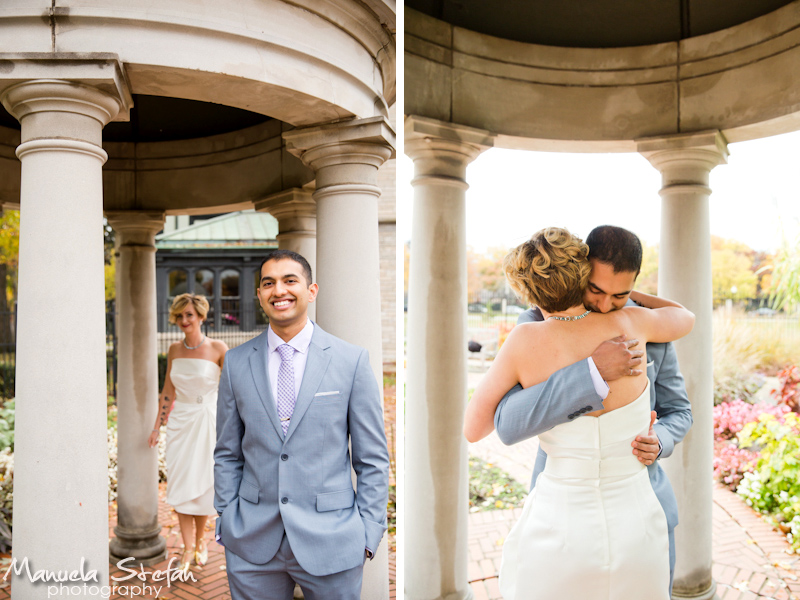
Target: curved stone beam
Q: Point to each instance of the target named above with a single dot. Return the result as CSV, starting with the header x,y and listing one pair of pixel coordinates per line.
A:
x,y
741,81
219,173
303,62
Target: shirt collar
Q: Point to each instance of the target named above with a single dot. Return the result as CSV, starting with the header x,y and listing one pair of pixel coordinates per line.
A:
x,y
300,342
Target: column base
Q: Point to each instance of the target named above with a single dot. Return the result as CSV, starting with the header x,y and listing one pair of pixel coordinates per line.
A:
x,y
460,595
709,594
146,548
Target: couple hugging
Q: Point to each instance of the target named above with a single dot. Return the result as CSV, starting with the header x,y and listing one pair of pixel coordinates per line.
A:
x,y
599,521
284,415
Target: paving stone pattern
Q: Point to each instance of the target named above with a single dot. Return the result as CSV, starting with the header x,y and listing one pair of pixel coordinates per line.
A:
x,y
751,560
210,581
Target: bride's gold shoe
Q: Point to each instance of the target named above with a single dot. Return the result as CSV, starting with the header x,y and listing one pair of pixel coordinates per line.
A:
x,y
187,559
201,556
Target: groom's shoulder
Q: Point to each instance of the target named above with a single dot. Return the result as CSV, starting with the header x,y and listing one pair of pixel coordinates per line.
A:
x,y
246,348
339,346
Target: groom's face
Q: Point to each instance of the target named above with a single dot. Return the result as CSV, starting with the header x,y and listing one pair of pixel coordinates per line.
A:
x,y
607,290
284,293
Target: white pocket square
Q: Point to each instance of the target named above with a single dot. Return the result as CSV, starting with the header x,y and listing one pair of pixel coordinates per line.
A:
x,y
326,393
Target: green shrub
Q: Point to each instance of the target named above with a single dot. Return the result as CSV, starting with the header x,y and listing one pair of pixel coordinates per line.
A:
x,y
740,386
8,379
391,510
491,488
7,425
774,487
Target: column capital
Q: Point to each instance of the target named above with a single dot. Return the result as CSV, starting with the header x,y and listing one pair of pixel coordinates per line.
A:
x,y
137,228
294,202
126,220
376,130
296,211
443,150
705,149
345,156
84,73
315,144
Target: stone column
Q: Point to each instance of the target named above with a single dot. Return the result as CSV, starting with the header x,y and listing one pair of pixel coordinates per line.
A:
x,y
138,530
247,295
684,275
296,213
436,482
346,157
61,451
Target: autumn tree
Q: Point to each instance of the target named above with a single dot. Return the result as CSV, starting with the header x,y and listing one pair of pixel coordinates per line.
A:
x,y
647,281
785,275
9,260
732,271
485,271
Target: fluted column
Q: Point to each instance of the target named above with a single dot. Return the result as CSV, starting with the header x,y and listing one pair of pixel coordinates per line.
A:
x,y
436,474
345,158
138,530
61,452
684,275
296,213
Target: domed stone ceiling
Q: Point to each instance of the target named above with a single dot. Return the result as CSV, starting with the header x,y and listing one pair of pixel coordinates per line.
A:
x,y
159,119
595,23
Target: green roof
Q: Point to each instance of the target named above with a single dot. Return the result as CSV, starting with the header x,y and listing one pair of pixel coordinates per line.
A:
x,y
246,228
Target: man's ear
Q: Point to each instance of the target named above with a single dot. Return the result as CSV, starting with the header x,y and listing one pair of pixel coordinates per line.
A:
x,y
312,292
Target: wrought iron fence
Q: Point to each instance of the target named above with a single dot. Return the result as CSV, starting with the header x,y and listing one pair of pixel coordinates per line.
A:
x,y
8,354
234,327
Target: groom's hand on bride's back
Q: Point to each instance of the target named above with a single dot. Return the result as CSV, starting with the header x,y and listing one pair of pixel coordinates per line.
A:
x,y
617,358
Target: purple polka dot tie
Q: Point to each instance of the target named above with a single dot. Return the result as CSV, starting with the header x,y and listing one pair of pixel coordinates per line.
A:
x,y
286,386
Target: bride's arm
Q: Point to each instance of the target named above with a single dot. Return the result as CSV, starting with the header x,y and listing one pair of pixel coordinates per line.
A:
x,y
660,320
502,376
650,301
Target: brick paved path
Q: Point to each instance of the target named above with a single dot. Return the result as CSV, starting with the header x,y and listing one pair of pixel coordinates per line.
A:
x,y
210,581
750,558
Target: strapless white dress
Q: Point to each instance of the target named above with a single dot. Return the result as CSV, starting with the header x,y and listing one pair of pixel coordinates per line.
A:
x,y
592,528
191,436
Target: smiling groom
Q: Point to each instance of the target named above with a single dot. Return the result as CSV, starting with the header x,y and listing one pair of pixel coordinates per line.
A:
x,y
289,402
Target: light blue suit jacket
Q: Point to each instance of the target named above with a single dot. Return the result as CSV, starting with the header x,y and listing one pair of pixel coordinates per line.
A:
x,y
266,484
569,393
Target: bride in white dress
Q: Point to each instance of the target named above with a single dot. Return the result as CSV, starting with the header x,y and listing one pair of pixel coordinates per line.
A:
x,y
190,389
592,528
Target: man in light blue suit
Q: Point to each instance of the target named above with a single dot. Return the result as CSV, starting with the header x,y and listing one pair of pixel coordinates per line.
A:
x,y
616,257
289,402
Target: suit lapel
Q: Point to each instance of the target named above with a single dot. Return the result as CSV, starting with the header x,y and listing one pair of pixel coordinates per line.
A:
x,y
316,365
258,367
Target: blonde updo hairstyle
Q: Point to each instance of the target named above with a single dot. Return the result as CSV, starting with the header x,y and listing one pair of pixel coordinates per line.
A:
x,y
180,303
550,270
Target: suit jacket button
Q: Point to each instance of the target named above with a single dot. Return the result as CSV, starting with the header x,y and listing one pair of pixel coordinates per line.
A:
x,y
588,408
284,457
284,500
571,416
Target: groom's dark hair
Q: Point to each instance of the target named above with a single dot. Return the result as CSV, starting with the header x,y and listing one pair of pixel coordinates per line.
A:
x,y
617,247
284,254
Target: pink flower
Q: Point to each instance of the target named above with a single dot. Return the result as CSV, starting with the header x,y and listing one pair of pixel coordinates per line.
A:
x,y
731,417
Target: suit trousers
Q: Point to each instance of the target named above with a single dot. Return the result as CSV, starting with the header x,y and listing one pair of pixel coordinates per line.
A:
x,y
275,580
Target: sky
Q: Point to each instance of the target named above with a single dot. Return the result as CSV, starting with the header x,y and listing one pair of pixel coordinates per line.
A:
x,y
755,196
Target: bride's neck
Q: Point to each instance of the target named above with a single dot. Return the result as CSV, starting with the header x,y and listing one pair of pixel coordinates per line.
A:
x,y
570,312
194,338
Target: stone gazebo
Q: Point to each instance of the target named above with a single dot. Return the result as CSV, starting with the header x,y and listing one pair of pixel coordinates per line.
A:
x,y
674,81
136,111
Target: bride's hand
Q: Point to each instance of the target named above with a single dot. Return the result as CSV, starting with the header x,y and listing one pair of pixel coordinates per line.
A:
x,y
152,441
